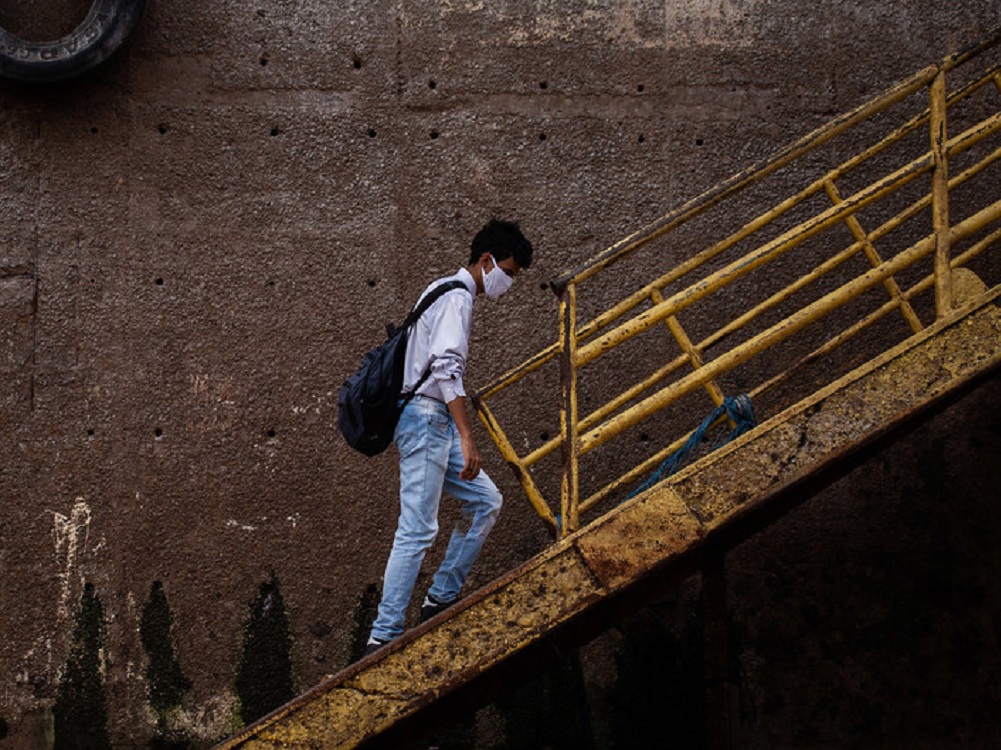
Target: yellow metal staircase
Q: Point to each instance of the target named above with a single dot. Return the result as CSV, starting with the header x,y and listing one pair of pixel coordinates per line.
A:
x,y
847,310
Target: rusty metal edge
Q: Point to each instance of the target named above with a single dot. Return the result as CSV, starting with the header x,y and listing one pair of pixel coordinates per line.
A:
x,y
734,519
955,318
345,675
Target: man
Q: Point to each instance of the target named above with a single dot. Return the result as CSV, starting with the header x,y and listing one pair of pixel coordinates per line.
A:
x,y
435,438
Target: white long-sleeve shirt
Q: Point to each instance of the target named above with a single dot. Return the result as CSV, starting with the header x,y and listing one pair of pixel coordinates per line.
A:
x,y
441,337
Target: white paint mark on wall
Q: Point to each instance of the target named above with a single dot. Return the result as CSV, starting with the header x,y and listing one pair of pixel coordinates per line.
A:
x,y
219,397
40,652
633,24
316,404
723,23
71,539
207,721
234,524
70,534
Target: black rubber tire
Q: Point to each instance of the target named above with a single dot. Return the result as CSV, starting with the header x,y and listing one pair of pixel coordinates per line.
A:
x,y
107,25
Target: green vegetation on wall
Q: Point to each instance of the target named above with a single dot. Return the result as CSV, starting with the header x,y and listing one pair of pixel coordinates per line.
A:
x,y
167,682
81,708
264,680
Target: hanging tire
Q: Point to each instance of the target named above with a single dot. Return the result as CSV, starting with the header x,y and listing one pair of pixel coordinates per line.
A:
x,y
107,25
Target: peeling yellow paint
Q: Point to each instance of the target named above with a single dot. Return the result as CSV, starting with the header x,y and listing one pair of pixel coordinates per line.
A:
x,y
668,524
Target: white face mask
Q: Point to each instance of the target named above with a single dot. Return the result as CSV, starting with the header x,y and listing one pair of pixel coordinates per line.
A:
x,y
495,281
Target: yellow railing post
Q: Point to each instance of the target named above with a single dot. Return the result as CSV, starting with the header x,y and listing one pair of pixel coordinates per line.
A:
x,y
517,465
568,408
940,197
855,227
778,232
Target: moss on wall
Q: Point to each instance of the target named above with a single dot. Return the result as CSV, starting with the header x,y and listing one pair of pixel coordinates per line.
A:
x,y
202,241
166,680
264,679
81,708
364,616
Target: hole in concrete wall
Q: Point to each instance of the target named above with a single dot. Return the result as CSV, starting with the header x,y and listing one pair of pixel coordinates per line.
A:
x,y
264,61
371,133
90,433
93,131
275,131
432,85
158,433
356,62
699,141
372,283
543,85
271,433
640,88
4,729
542,136
544,285
544,437
162,128
158,281
434,135
641,139
644,437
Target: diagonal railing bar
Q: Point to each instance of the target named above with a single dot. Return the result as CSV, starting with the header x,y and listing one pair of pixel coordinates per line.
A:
x,y
808,143
644,468
782,244
892,287
888,307
630,302
782,330
581,345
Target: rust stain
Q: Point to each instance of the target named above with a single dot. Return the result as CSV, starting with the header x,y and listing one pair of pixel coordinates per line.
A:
x,y
663,525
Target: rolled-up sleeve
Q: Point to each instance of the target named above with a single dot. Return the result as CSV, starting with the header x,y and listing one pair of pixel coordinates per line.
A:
x,y
449,344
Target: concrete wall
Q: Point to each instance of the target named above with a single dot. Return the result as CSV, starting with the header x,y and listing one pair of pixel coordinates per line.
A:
x,y
201,240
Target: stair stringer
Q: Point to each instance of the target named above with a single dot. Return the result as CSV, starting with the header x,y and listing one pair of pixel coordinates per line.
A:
x,y
667,526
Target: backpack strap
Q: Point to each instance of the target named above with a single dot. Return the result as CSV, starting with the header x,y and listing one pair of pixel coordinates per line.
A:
x,y
429,299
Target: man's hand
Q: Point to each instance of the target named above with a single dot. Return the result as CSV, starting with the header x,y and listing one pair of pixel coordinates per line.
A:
x,y
471,454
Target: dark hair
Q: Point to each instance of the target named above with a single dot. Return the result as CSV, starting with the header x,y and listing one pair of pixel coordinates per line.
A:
x,y
502,239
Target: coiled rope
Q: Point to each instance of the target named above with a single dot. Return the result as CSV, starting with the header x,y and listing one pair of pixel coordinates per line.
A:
x,y
737,408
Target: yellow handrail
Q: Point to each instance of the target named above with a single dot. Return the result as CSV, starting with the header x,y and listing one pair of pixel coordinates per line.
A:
x,y
581,345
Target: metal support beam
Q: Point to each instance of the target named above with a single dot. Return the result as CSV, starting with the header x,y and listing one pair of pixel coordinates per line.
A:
x,y
568,409
940,197
719,715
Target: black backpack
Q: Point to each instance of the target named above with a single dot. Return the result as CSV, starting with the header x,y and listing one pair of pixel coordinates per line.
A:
x,y
368,405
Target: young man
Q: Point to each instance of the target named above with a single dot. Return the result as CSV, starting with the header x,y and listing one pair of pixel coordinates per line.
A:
x,y
435,438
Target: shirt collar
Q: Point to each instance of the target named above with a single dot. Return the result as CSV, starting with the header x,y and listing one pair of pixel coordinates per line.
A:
x,y
467,278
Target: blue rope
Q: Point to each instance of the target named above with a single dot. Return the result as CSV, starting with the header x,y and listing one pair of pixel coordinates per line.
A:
x,y
737,408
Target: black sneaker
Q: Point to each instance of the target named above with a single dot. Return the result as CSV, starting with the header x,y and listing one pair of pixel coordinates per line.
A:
x,y
373,645
432,606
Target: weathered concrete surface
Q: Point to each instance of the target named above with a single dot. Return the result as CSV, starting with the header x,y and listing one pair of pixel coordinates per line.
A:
x,y
200,241
653,532
791,445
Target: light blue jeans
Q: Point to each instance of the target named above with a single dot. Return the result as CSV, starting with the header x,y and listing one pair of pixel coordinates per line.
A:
x,y
430,462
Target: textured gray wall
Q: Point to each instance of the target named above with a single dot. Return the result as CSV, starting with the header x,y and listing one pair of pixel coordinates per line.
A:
x,y
201,240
